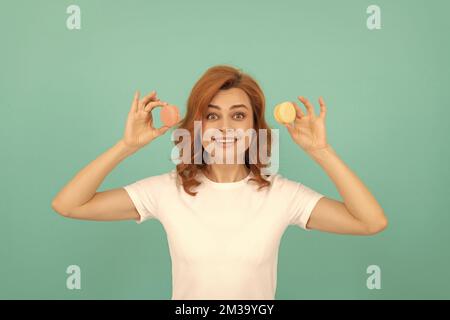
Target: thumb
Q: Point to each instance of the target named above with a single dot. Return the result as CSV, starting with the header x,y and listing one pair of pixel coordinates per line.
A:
x,y
290,128
162,130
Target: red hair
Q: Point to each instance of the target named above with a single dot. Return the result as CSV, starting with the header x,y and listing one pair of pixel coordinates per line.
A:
x,y
222,77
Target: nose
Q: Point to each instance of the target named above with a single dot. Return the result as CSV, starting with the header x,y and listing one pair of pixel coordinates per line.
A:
x,y
227,131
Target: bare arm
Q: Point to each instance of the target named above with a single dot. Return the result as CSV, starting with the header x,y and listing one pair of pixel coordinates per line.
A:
x,y
79,199
360,213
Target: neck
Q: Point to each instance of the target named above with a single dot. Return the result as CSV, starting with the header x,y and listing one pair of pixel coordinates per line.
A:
x,y
226,172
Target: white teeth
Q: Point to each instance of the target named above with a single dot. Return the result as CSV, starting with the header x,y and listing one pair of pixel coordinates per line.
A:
x,y
225,140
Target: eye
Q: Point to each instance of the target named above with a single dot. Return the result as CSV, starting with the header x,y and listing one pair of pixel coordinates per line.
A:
x,y
210,114
240,115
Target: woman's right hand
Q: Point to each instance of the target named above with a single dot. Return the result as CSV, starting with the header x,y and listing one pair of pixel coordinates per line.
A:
x,y
139,130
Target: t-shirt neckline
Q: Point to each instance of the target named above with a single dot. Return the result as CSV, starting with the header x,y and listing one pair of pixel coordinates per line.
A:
x,y
225,185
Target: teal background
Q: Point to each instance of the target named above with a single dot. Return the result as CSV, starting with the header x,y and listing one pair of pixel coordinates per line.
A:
x,y
65,95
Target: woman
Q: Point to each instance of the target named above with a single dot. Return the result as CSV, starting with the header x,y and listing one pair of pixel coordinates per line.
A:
x,y
224,221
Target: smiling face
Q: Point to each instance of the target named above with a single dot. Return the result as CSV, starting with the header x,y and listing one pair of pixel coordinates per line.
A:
x,y
229,114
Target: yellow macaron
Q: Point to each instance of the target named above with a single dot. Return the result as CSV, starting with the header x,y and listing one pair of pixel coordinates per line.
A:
x,y
284,112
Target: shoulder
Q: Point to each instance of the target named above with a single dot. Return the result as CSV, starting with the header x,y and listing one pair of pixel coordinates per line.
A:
x,y
163,180
278,181
285,187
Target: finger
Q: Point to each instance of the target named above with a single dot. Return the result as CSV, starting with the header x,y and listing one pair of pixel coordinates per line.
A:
x,y
298,111
323,108
145,100
134,104
149,107
289,127
162,130
307,105
151,96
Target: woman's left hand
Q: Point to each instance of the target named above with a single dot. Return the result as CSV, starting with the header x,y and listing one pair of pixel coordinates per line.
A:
x,y
308,131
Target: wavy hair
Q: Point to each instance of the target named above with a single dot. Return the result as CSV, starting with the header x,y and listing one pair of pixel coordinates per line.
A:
x,y
222,77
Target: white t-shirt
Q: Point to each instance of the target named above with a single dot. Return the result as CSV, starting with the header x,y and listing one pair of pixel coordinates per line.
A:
x,y
224,241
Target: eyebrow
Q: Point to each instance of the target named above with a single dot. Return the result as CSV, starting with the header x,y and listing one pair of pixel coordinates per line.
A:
x,y
232,107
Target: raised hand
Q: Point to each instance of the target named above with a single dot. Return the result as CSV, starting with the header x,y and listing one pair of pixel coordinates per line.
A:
x,y
139,130
308,131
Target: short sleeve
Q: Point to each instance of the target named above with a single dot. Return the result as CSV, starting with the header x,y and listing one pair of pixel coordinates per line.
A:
x,y
301,202
143,194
